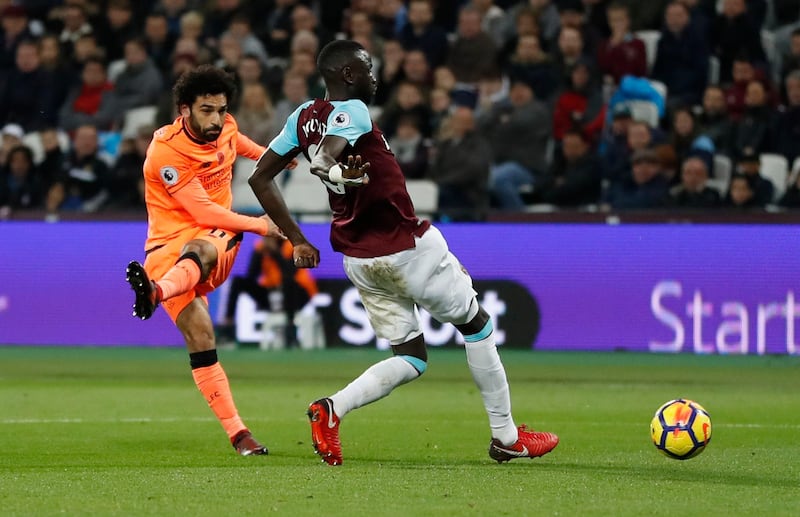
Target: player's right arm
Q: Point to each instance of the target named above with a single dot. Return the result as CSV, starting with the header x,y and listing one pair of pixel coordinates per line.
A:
x,y
276,158
174,181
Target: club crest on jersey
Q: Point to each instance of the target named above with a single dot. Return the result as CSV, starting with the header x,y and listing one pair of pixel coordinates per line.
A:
x,y
169,175
341,119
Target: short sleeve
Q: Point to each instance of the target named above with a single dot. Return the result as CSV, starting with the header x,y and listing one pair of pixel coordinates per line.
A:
x,y
349,120
287,138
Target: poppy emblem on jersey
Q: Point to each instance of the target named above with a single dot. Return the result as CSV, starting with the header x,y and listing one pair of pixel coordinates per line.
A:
x,y
220,157
341,120
169,175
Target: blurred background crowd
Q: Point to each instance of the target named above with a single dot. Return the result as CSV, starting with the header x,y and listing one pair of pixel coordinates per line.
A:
x,y
504,106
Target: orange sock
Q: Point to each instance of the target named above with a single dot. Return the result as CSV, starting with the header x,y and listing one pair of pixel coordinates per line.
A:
x,y
213,384
181,278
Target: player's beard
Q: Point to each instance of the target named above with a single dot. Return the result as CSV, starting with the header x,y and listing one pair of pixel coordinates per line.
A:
x,y
209,134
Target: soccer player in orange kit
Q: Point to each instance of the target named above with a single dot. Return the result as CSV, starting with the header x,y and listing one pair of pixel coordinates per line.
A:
x,y
193,236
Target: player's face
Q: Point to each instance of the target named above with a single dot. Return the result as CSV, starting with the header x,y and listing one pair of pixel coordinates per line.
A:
x,y
364,82
206,116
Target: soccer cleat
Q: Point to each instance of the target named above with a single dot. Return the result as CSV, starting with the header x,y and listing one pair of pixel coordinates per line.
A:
x,y
145,289
325,431
246,445
529,444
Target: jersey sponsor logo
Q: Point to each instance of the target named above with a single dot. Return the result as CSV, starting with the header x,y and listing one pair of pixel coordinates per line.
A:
x,y
341,119
169,175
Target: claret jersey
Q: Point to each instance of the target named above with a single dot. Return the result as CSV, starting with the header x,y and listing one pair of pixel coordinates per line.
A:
x,y
368,221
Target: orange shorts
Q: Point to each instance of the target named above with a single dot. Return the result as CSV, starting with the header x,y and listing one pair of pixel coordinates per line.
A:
x,y
160,260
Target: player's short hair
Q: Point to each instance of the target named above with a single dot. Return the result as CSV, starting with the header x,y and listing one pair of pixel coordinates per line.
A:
x,y
336,55
203,80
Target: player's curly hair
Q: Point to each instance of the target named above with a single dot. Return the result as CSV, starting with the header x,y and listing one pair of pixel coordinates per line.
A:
x,y
203,80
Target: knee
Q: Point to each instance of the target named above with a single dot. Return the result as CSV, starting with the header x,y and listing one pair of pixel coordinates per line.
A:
x,y
202,252
414,353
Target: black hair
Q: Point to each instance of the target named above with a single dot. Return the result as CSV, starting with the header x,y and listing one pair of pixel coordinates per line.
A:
x,y
203,80
21,149
336,55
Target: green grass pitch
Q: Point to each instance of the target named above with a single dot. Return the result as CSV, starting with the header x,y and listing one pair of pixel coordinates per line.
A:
x,y
125,432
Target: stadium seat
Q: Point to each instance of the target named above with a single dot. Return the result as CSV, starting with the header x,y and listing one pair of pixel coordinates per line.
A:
x,y
713,70
721,175
33,141
660,87
794,172
650,39
425,196
136,118
775,167
768,42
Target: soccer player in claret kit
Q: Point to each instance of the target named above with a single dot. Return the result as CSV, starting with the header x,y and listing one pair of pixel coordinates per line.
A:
x,y
192,234
397,261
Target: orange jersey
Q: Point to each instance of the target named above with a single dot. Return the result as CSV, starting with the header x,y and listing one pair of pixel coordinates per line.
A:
x,y
174,160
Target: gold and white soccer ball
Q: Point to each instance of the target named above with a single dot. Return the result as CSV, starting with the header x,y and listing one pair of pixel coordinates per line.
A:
x,y
681,429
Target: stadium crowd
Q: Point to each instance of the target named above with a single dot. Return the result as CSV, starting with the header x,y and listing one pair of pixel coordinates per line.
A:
x,y
506,105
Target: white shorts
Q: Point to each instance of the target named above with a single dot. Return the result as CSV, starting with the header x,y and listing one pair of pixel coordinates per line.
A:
x,y
428,276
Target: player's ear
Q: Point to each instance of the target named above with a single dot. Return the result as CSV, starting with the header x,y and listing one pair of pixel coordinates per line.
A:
x,y
185,110
347,75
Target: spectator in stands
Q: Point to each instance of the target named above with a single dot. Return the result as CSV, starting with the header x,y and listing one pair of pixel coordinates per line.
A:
x,y
362,30
408,100
525,23
693,191
787,128
294,93
410,147
241,29
115,27
574,179
140,83
85,47
749,165
572,14
82,184
13,30
390,16
734,33
191,26
472,54
255,114
303,18
421,33
417,70
249,71
645,187
441,105
647,15
53,62
304,64
580,105
570,50
75,20
621,53
92,101
518,131
10,137
28,93
173,11
681,57
219,15
714,121
742,193
754,130
276,31
125,180
53,160
618,157
492,19
20,186
683,133
390,72
546,17
159,42
167,110
460,168
531,64
743,73
230,52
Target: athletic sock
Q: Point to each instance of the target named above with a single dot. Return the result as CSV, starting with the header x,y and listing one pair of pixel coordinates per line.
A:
x,y
490,377
376,382
213,384
181,278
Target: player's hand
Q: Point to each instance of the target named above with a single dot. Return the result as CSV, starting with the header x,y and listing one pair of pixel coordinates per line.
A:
x,y
272,229
354,173
305,255
292,164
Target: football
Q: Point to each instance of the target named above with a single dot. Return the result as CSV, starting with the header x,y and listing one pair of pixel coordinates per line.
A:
x,y
681,429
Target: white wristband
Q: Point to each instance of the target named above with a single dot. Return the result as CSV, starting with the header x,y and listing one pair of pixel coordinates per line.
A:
x,y
335,174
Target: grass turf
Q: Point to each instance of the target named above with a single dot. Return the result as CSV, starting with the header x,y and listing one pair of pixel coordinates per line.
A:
x,y
124,432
